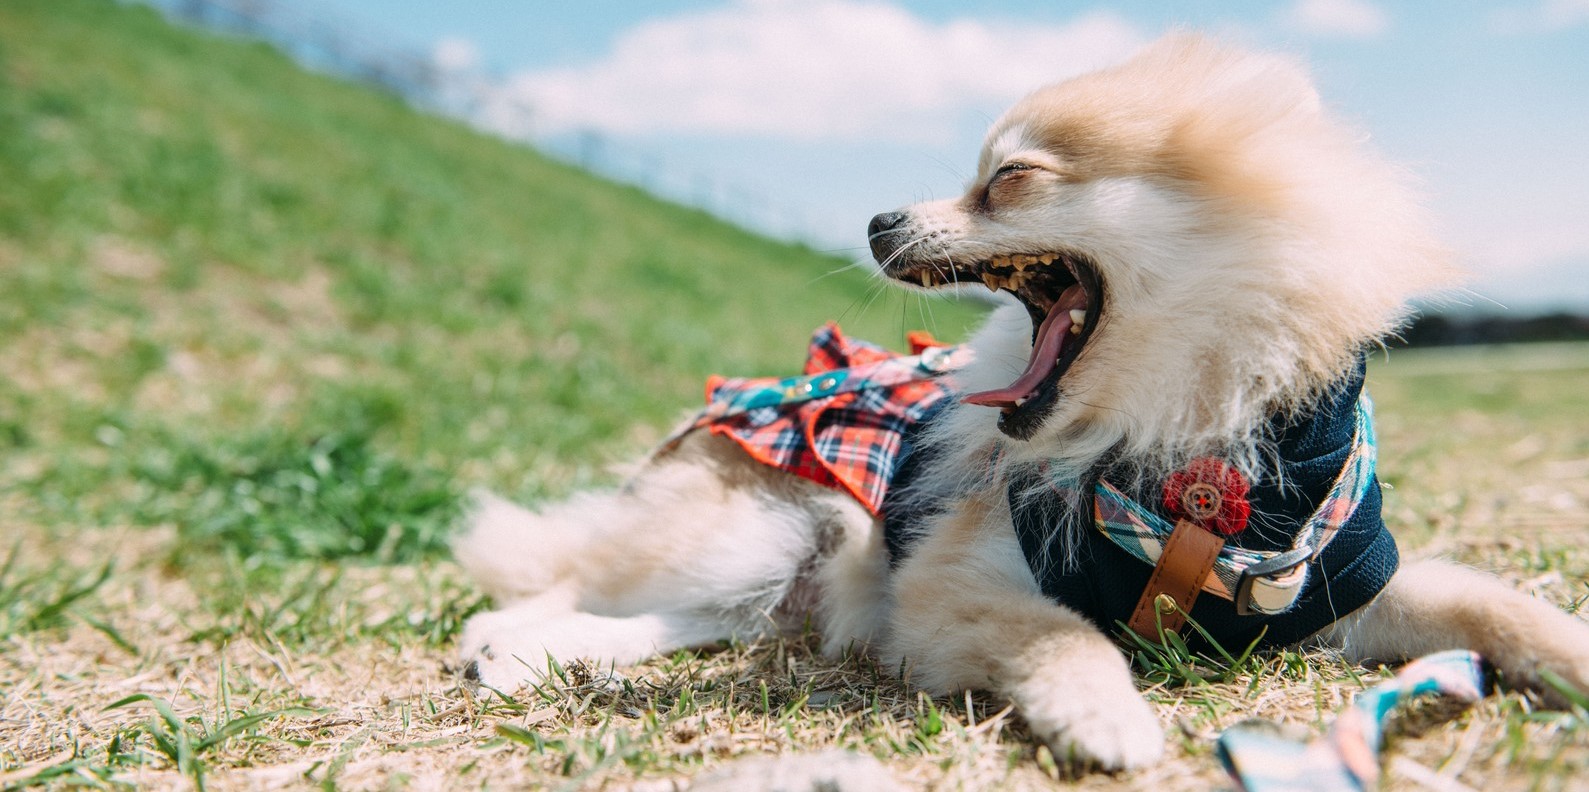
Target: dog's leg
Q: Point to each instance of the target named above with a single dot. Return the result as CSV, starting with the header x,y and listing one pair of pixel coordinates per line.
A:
x,y
702,544
1432,605
504,647
967,614
850,587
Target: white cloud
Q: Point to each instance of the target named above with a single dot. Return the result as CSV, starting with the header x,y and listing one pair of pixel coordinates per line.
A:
x,y
814,70
1545,17
453,54
1357,19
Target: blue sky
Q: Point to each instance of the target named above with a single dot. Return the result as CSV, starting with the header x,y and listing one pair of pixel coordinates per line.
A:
x,y
805,117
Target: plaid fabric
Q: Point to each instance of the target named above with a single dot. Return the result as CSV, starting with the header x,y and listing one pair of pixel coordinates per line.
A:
x,y
850,439
1346,759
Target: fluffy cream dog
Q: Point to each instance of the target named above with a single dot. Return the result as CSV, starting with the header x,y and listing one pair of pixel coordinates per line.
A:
x,y
1194,258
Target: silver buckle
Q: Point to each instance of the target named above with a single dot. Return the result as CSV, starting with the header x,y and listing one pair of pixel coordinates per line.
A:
x,y
1272,566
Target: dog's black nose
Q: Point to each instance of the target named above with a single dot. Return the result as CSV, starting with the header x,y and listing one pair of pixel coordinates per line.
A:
x,y
881,232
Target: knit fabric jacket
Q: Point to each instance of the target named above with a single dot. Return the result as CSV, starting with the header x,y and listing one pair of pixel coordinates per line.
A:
x,y
1103,581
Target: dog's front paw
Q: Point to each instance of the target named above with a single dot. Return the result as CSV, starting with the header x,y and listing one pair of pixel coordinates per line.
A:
x,y
493,652
1093,725
506,648
484,671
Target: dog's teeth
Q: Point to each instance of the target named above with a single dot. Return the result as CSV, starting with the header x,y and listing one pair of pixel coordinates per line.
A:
x,y
1047,258
1000,261
1078,317
991,280
1020,261
926,278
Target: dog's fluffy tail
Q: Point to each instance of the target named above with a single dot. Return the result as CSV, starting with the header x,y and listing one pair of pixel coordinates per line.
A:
x,y
510,551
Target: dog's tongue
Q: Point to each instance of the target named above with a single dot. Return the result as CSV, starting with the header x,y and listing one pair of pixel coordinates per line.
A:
x,y
1052,336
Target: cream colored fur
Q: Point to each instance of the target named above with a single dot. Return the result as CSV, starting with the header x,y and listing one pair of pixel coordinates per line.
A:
x,y
1251,247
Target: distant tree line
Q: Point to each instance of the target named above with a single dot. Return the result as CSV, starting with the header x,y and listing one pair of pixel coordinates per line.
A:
x,y
1436,329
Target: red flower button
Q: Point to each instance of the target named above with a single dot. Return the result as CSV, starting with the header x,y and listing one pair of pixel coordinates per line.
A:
x,y
1211,494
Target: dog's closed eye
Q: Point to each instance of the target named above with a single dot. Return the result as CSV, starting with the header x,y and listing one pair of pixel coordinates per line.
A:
x,y
1012,167
1006,178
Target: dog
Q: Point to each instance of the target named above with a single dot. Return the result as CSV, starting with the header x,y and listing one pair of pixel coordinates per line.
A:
x,y
1192,259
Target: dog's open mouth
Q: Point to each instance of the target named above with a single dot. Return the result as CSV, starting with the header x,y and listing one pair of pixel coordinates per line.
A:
x,y
1064,296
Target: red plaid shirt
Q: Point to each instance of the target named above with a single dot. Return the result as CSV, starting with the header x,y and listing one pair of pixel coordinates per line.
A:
x,y
850,441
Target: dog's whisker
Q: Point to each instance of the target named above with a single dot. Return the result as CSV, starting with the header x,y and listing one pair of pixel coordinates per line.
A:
x,y
866,297
924,310
872,300
943,275
873,292
894,256
952,169
948,275
838,271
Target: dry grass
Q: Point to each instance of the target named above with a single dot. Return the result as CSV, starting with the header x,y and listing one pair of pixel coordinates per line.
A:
x,y
348,668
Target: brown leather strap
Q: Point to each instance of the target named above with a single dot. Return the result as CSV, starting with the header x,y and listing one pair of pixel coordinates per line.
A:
x,y
1186,561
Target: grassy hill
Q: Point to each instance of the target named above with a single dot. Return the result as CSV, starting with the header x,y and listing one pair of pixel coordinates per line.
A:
x,y
204,246
255,321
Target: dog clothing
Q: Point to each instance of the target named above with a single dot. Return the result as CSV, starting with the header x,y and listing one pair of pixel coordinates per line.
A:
x,y
851,440
1103,580
853,422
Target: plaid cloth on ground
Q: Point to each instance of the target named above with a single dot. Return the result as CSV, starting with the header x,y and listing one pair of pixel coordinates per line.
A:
x,y
850,440
1346,759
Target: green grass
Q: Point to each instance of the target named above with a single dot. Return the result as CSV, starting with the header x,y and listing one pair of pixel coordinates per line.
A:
x,y
274,495
260,329
39,600
186,741
215,263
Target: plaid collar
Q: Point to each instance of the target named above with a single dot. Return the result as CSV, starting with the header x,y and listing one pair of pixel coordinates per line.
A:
x,y
841,423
